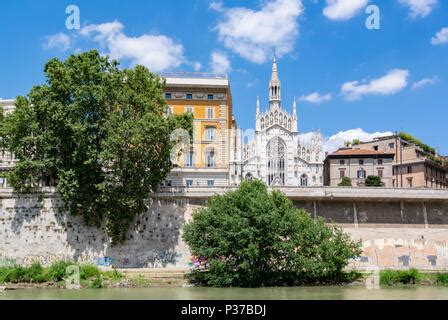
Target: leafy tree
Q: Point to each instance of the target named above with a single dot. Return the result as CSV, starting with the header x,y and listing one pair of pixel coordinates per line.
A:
x,y
346,182
356,141
97,132
251,238
374,181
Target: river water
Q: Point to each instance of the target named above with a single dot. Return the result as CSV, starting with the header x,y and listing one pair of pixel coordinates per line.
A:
x,y
295,293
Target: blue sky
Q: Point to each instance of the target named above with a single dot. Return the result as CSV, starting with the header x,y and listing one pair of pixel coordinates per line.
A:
x,y
345,76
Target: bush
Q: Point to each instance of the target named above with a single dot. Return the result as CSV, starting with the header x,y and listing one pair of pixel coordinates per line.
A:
x,y
96,283
11,274
374,181
346,182
393,277
113,275
89,271
442,279
35,274
57,271
90,275
253,238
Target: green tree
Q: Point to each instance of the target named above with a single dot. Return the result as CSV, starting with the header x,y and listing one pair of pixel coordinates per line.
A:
x,y
97,132
373,181
251,238
346,182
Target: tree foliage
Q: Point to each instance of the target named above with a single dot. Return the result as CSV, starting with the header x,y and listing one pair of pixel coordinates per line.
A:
x,y
374,181
97,132
253,238
411,139
345,182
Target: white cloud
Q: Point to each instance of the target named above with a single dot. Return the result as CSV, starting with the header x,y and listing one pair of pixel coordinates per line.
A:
x,y
157,52
343,9
419,8
441,37
217,6
305,138
105,31
250,84
424,82
316,97
220,63
59,41
196,66
393,82
255,34
338,140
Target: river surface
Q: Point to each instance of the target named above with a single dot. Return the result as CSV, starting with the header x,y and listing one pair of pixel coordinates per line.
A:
x,y
295,293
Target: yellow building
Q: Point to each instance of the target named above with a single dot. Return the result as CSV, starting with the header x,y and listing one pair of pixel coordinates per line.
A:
x,y
209,98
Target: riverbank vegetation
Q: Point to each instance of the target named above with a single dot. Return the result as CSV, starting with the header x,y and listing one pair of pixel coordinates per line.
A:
x,y
412,277
97,132
253,238
394,277
90,276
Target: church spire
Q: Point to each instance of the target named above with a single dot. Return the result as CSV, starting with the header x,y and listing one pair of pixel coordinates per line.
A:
x,y
274,86
274,75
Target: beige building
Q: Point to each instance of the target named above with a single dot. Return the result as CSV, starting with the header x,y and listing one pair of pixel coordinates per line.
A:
x,y
7,160
413,167
208,97
358,164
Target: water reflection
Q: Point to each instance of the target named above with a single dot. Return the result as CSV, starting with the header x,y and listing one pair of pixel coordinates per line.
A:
x,y
296,293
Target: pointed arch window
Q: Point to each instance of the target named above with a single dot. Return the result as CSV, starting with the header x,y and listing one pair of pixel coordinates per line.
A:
x,y
304,180
276,162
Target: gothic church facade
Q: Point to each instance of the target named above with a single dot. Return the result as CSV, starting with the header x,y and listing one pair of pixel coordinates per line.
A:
x,y
277,154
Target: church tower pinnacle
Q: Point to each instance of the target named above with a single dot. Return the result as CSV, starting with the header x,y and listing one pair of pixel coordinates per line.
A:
x,y
274,87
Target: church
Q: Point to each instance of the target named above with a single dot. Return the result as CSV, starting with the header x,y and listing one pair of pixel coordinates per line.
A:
x,y
277,154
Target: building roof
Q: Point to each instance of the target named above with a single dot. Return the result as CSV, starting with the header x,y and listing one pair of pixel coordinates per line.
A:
x,y
360,152
7,102
196,79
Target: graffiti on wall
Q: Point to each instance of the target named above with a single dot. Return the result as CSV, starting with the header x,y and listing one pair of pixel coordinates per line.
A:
x,y
403,253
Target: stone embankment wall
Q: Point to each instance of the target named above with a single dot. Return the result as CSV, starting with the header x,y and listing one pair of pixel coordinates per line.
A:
x,y
398,230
